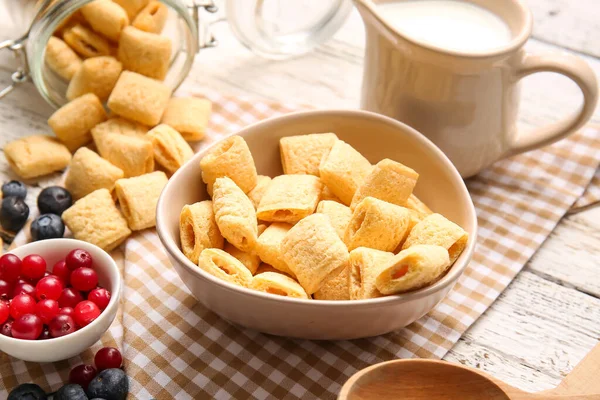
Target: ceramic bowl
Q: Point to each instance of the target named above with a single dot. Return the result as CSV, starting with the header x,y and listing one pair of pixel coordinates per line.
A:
x,y
62,348
376,137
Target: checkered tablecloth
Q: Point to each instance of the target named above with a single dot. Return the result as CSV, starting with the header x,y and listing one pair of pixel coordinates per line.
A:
x,y
176,348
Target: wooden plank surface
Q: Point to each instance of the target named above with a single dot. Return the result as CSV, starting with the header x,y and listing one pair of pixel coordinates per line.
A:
x,y
549,317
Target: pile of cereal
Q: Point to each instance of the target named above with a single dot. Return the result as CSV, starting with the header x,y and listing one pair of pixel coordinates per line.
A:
x,y
112,52
333,227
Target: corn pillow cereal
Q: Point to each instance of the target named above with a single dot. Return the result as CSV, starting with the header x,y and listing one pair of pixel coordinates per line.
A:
x,y
302,154
96,219
343,170
97,75
170,149
138,197
230,157
198,229
249,259
412,268
61,58
37,155
314,252
86,42
89,172
256,194
365,265
222,265
289,198
152,18
121,126
134,155
436,229
106,17
339,215
139,98
235,214
189,116
335,288
145,53
72,122
132,7
278,284
268,246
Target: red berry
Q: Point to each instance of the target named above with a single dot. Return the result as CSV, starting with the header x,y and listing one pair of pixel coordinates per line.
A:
x,y
47,310
60,269
50,287
69,298
6,328
21,305
108,357
61,325
82,375
66,311
28,327
100,296
78,259
85,313
45,334
6,291
24,288
84,279
4,312
10,267
34,267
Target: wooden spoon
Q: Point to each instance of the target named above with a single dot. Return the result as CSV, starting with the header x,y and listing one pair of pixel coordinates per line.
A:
x,y
440,380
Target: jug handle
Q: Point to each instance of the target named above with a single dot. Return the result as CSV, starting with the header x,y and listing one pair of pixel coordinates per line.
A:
x,y
573,68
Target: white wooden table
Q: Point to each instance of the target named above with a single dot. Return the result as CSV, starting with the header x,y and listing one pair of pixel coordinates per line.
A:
x,y
549,317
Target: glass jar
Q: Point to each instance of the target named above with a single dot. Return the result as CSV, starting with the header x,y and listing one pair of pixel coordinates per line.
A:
x,y
269,28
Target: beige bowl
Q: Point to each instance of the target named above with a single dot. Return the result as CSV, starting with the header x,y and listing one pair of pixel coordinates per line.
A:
x,y
62,348
376,137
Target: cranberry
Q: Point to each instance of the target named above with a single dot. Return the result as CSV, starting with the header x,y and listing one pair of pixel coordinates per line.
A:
x,y
61,325
100,296
34,267
4,312
78,258
21,305
6,328
69,298
84,279
50,287
60,269
47,310
28,327
67,311
23,287
108,357
10,267
45,334
6,290
82,375
85,313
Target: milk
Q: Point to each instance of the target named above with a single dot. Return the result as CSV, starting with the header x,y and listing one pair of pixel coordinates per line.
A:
x,y
448,24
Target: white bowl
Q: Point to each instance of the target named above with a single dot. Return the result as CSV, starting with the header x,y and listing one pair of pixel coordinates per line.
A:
x,y
62,348
376,137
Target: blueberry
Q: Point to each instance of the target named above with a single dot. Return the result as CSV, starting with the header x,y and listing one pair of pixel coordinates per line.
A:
x,y
27,391
47,226
110,384
70,392
54,200
14,188
13,213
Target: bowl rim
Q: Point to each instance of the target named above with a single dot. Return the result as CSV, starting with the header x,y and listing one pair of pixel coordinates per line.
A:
x,y
449,278
112,304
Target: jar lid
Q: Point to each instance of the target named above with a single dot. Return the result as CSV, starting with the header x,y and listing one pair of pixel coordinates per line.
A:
x,y
279,29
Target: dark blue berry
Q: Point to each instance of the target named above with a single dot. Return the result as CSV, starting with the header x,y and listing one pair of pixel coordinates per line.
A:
x,y
71,392
14,188
27,391
13,214
54,200
47,226
110,384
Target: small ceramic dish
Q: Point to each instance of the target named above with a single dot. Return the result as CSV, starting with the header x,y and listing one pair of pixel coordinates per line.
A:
x,y
62,348
376,137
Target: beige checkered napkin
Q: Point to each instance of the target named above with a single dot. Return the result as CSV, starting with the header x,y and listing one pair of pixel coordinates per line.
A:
x,y
176,348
